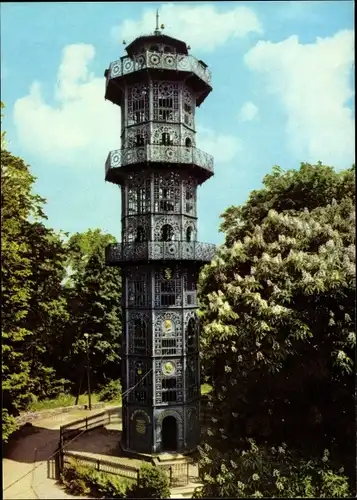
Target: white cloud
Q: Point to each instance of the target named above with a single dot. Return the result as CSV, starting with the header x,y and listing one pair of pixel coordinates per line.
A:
x,y
248,112
80,125
223,147
202,27
314,84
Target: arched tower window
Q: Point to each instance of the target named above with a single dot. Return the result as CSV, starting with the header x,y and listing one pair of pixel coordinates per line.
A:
x,y
140,141
167,233
167,49
188,142
140,235
166,139
154,48
189,234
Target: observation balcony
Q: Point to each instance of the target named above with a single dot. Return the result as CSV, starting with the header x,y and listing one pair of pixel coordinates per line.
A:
x,y
125,253
199,75
191,158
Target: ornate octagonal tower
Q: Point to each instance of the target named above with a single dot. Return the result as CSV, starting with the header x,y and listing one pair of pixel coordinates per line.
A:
x,y
158,168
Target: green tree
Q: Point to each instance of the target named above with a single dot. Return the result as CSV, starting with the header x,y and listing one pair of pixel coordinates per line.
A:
x,y
94,298
48,316
18,204
277,307
33,306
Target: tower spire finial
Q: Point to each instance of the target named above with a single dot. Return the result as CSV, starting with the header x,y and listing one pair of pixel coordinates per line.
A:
x,y
157,29
157,19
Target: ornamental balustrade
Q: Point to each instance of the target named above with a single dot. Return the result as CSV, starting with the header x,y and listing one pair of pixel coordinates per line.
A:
x,y
177,62
173,250
161,154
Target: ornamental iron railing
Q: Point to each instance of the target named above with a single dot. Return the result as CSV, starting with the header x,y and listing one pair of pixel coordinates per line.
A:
x,y
158,60
159,153
151,250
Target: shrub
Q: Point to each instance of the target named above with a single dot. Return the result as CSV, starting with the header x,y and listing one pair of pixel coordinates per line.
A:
x,y
153,483
111,391
78,479
275,472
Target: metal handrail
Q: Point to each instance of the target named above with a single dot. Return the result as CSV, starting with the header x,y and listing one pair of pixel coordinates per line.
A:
x,y
159,60
158,250
159,153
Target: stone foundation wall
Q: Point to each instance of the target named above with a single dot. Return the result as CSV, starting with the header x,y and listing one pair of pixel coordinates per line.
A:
x,y
30,416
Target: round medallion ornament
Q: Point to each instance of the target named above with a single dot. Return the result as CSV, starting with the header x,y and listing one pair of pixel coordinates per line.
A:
x,y
115,160
138,91
168,368
115,69
165,89
169,61
168,327
154,59
128,66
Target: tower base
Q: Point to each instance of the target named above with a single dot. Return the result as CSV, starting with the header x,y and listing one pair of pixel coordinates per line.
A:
x,y
176,465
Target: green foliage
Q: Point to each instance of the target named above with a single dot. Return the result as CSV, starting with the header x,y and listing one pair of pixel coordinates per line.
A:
x,y
112,391
97,483
94,299
206,388
261,472
45,312
9,425
278,309
153,483
61,401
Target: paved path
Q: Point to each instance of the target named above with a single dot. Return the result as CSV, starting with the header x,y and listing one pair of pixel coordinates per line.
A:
x,y
25,474
25,465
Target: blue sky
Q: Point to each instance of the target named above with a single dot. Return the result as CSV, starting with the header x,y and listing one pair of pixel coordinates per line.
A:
x,y
283,92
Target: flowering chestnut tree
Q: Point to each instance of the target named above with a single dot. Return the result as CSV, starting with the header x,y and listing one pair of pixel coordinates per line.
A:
x,y
278,339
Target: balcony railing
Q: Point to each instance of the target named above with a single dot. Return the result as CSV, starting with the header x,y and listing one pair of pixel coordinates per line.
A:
x,y
177,62
151,250
162,154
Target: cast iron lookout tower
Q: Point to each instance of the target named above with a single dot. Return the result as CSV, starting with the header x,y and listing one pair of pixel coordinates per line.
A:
x,y
158,168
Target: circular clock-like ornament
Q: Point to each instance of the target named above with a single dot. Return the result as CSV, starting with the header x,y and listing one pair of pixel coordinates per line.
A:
x,y
168,368
168,327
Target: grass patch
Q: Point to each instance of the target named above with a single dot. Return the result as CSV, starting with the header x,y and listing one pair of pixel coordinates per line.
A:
x,y
206,388
63,400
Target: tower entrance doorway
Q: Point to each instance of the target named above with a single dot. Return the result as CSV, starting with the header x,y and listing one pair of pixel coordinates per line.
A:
x,y
169,434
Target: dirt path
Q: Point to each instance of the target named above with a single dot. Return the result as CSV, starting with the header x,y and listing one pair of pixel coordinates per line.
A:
x,y
25,463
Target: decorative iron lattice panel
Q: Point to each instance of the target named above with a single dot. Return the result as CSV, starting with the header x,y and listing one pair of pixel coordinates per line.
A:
x,y
166,101
167,228
165,135
190,288
138,104
168,327
161,154
137,136
139,287
167,192
178,62
168,381
136,229
143,386
168,288
176,250
139,332
137,197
